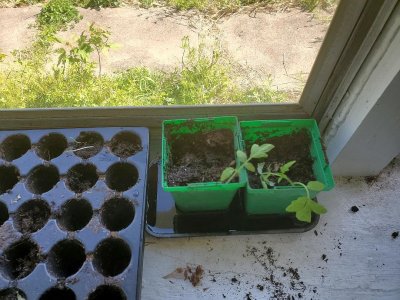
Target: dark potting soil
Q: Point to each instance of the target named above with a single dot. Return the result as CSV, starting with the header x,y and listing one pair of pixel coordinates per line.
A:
x,y
200,157
32,216
354,209
295,146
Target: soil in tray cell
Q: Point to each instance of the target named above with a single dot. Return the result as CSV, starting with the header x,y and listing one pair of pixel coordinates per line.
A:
x,y
125,144
295,146
32,216
200,157
88,144
20,259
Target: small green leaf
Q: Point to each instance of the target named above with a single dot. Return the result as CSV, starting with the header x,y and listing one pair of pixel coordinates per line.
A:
x,y
297,204
249,166
316,207
287,166
304,214
281,177
227,173
267,147
255,148
315,186
241,156
258,151
260,167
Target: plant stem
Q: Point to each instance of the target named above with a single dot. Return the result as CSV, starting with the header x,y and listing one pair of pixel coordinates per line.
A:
x,y
238,170
305,187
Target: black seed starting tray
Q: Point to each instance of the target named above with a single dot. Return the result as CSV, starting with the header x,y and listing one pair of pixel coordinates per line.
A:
x,y
72,205
164,220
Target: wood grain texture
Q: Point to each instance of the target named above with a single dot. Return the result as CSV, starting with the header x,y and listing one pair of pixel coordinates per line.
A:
x,y
363,260
139,116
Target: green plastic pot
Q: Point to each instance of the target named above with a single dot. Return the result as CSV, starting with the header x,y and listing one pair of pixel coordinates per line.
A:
x,y
275,200
203,196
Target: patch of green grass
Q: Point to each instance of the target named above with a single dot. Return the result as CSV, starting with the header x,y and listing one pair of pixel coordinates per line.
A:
x,y
146,3
234,5
98,3
18,3
57,14
78,3
31,80
203,78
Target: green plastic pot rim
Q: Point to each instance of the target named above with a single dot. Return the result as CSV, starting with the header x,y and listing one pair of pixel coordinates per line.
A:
x,y
206,186
284,187
321,159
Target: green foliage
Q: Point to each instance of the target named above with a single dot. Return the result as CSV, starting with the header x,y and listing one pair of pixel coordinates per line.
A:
x,y
257,151
18,3
98,3
302,206
188,4
33,81
280,175
309,5
146,3
56,15
96,39
234,5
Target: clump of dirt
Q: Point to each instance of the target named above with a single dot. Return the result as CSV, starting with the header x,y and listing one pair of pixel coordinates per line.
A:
x,y
395,234
354,209
199,157
294,273
295,146
370,180
193,274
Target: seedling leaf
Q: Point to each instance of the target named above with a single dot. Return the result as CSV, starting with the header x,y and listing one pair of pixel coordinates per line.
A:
x,y
241,156
315,186
227,173
249,166
316,207
258,151
260,167
304,214
281,177
297,204
287,166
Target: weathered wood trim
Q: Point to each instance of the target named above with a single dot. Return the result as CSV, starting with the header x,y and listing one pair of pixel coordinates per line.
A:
x,y
355,28
139,116
341,27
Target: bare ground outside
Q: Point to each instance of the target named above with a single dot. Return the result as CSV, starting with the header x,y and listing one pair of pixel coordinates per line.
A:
x,y
260,45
